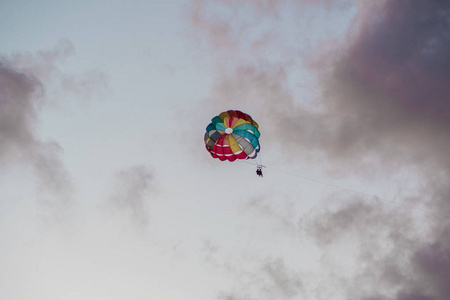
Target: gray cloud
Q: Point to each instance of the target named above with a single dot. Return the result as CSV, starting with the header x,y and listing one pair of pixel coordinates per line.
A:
x,y
394,260
43,64
432,265
18,111
86,85
283,282
28,84
132,188
381,241
383,94
271,279
280,216
387,97
21,97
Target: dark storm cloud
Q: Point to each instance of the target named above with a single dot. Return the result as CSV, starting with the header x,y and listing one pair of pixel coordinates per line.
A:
x,y
132,188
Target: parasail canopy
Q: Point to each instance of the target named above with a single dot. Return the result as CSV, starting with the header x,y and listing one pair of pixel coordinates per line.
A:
x,y
232,135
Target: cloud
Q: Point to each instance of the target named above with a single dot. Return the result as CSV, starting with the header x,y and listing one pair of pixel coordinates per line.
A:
x,y
278,215
18,111
393,260
432,265
383,107
132,187
21,97
239,32
46,66
28,84
88,84
402,48
283,282
386,95
270,279
218,33
43,64
368,238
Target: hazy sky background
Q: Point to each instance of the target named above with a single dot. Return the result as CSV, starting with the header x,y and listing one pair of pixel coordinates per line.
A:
x,y
106,188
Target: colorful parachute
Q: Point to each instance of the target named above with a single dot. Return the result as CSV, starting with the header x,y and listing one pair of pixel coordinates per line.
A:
x,y
232,135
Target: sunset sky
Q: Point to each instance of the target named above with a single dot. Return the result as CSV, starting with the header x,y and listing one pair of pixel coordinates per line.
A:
x,y
107,191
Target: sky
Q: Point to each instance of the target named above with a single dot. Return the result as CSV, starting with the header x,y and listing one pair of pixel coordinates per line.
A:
x,y
107,190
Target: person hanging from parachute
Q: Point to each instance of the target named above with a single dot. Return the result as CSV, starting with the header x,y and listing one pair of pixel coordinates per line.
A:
x,y
259,171
233,135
